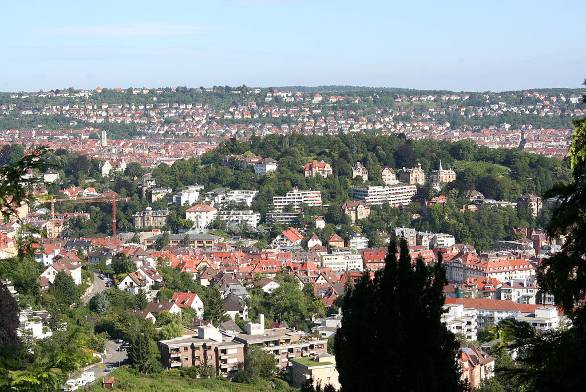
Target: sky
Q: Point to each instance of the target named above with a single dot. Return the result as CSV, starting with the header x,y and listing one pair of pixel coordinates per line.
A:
x,y
435,44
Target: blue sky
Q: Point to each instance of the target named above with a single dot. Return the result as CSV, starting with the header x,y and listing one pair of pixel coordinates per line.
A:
x,y
441,44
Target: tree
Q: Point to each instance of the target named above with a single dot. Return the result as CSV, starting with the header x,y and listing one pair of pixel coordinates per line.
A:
x,y
142,353
171,330
162,241
406,299
140,300
213,306
100,303
552,360
64,289
122,264
8,318
258,364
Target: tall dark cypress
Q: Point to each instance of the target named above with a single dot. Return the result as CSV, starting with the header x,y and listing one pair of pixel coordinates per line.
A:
x,y
391,337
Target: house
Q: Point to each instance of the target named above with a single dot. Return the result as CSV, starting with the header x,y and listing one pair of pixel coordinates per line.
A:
x,y
315,168
412,176
265,166
188,300
313,241
134,282
267,285
356,210
71,268
235,306
150,218
358,242
359,170
157,308
289,239
389,176
336,241
475,366
201,215
319,222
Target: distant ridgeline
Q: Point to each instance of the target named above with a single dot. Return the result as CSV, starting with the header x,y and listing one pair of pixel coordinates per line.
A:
x,y
324,109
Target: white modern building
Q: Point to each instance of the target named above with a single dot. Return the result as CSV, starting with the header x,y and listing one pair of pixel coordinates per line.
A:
x,y
342,260
296,199
201,215
461,320
240,217
189,195
395,195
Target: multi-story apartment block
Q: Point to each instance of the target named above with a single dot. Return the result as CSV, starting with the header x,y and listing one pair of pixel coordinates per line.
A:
x,y
209,347
521,291
396,195
296,199
341,260
413,176
150,218
188,195
283,343
461,320
201,215
265,166
240,217
239,196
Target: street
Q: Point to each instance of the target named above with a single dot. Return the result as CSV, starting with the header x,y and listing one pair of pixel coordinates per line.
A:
x,y
98,286
112,359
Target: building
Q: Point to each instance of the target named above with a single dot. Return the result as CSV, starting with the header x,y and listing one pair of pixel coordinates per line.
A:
x,y
460,320
359,170
283,343
313,241
521,291
341,260
442,240
475,366
284,218
188,195
156,194
296,199
71,268
104,139
356,210
395,195
194,240
532,203
240,217
358,242
189,300
207,347
493,311
239,197
265,166
442,176
150,218
319,368
315,168
406,233
389,176
201,215
412,176
289,239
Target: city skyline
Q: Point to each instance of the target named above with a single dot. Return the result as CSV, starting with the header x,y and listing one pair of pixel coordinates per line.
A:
x,y
272,43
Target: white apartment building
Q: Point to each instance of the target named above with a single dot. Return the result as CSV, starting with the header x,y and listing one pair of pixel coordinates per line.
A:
x,y
239,196
297,199
395,195
240,217
189,195
543,319
358,242
442,240
342,260
461,320
201,215
265,166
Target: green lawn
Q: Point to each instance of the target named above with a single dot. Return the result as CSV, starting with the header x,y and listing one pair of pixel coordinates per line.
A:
x,y
170,381
310,362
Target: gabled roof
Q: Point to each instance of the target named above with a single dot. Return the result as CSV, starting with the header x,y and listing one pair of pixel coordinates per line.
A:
x,y
292,234
184,299
201,208
335,238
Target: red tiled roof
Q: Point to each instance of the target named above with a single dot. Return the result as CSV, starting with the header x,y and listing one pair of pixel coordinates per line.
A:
x,y
492,304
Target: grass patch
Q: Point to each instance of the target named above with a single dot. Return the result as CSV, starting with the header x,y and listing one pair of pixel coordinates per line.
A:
x,y
481,168
310,362
172,381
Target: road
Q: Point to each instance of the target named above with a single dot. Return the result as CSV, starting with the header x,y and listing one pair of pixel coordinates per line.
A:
x,y
112,359
98,286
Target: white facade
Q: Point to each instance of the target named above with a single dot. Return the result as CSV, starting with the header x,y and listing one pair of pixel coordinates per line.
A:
x,y
358,242
395,195
461,320
441,240
239,196
240,217
343,260
389,176
264,167
201,215
189,195
297,199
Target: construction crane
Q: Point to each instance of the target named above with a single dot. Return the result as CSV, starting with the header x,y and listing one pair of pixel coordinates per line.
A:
x,y
110,197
